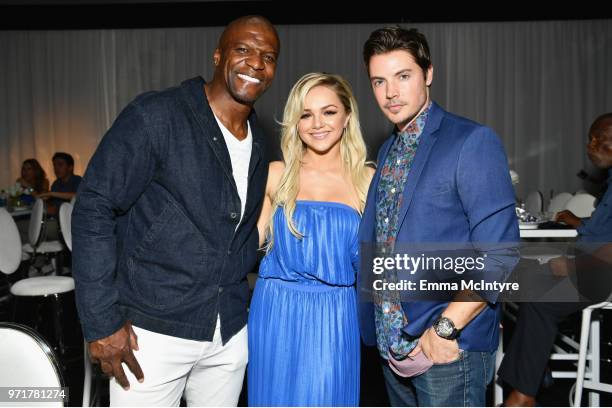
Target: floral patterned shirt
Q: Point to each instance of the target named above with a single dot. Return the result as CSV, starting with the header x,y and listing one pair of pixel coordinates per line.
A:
x,y
388,312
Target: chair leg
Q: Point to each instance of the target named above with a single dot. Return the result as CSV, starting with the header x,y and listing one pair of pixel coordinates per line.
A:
x,y
50,266
88,376
498,391
33,269
582,355
58,325
54,265
594,345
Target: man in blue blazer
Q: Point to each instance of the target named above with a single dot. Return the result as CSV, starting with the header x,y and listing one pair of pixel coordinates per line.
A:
x,y
441,178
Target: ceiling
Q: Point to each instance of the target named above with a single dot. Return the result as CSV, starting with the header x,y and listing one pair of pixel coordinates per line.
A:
x,y
89,14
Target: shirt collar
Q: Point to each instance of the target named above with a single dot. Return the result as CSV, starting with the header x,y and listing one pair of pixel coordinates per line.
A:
x,y
413,131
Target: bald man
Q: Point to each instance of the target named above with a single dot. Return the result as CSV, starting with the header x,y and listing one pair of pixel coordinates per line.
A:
x,y
527,355
164,231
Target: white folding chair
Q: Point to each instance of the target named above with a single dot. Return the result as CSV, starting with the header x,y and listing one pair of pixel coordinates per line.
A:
x,y
582,205
27,361
10,243
10,258
51,289
65,217
587,350
48,287
36,235
565,348
533,203
559,202
590,350
10,253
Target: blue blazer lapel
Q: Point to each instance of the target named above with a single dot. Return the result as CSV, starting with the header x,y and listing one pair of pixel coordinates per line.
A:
x,y
428,139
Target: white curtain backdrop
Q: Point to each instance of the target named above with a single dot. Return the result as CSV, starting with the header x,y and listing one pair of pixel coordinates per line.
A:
x,y
538,84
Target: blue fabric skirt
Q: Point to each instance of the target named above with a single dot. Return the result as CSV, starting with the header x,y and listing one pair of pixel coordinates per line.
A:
x,y
304,346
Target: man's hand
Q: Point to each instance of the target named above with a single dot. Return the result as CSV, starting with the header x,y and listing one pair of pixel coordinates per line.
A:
x,y
437,349
115,349
569,218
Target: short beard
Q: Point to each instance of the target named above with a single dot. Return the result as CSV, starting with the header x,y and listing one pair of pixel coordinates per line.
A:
x,y
242,100
239,98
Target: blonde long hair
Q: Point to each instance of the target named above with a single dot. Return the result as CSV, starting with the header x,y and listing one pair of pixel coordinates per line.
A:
x,y
352,147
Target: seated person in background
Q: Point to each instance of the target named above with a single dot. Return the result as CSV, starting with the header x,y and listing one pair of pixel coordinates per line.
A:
x,y
66,185
536,328
33,176
599,151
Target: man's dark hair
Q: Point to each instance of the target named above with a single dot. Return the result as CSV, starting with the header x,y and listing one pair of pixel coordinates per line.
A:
x,y
385,40
65,157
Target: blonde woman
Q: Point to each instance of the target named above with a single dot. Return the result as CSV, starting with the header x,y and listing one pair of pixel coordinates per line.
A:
x,y
303,328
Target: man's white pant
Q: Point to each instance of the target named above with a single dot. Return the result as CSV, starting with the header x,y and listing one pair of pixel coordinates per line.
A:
x,y
206,371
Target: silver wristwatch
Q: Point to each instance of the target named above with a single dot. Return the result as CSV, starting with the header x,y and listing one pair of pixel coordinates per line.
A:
x,y
445,328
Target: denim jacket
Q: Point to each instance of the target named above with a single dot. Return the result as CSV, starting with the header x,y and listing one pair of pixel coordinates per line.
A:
x,y
155,227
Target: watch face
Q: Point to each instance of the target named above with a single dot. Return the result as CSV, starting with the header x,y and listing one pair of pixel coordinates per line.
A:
x,y
444,328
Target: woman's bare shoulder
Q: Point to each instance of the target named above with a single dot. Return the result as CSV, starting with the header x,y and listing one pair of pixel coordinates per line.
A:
x,y
276,168
275,173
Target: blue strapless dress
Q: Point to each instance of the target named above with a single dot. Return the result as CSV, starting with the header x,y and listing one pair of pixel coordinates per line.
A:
x,y
304,346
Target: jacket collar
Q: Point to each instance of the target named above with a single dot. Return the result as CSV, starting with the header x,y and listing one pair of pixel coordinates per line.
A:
x,y
428,139
193,91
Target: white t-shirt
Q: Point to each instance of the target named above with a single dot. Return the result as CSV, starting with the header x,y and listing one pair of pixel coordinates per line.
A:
x,y
240,156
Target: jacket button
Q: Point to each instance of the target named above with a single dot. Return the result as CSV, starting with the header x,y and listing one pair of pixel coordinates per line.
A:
x,y
234,215
220,289
229,251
